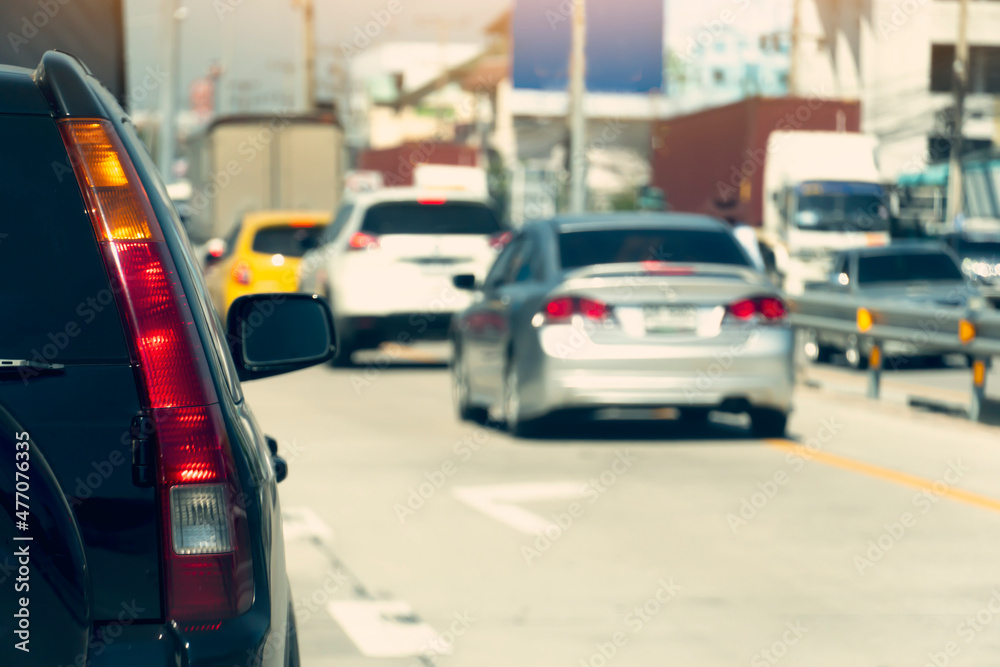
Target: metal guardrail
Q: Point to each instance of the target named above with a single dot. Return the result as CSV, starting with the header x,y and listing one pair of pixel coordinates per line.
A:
x,y
949,329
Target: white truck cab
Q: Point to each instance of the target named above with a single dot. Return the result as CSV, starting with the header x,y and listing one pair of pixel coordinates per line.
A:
x,y
823,193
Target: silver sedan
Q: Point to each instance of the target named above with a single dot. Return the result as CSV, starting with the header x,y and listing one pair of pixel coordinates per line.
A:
x,y
606,313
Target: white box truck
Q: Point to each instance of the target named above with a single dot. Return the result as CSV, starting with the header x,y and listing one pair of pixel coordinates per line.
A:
x,y
266,162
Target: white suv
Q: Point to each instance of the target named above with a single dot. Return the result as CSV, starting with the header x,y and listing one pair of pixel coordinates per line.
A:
x,y
386,263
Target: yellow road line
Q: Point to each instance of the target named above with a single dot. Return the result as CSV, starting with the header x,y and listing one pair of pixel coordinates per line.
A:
x,y
937,488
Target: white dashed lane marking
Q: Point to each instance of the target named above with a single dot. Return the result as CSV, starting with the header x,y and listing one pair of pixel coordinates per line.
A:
x,y
497,501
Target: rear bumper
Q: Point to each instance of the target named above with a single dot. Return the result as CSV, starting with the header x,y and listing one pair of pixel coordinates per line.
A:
x,y
247,639
756,372
369,331
367,294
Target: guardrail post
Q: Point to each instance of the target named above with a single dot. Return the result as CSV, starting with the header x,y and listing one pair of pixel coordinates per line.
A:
x,y
979,369
875,371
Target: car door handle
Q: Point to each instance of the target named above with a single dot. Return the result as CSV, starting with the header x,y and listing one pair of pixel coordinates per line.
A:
x,y
505,300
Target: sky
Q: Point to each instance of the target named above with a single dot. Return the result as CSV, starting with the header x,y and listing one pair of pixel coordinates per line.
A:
x,y
260,39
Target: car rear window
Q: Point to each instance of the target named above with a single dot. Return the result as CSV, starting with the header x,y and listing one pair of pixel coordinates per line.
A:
x,y
907,268
287,240
56,301
417,218
613,246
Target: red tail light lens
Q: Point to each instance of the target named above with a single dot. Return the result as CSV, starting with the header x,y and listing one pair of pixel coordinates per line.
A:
x,y
772,308
769,308
561,309
207,565
500,241
432,201
743,310
362,241
209,573
593,310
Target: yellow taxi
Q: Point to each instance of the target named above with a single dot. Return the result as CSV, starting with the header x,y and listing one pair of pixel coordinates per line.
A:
x,y
261,254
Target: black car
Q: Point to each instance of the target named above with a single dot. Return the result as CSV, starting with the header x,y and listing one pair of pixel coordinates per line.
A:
x,y
140,508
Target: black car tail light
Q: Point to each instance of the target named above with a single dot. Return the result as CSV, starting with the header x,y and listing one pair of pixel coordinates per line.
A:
x,y
207,563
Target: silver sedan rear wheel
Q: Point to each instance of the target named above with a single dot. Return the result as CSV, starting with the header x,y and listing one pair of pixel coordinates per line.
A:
x,y
768,423
516,426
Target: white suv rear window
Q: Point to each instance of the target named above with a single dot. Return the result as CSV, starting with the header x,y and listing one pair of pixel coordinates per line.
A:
x,y
430,218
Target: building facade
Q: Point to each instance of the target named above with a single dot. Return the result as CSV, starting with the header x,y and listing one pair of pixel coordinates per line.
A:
x,y
896,56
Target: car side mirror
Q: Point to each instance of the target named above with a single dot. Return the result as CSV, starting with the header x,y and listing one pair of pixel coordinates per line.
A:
x,y
464,281
271,334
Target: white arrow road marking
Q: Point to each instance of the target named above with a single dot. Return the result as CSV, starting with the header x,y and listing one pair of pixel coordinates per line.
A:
x,y
386,628
301,523
496,501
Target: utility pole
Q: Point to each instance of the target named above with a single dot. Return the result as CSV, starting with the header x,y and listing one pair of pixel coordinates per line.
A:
x,y
173,15
577,119
796,41
308,102
960,79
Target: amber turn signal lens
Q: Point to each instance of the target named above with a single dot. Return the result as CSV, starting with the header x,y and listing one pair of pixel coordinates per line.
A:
x,y
114,195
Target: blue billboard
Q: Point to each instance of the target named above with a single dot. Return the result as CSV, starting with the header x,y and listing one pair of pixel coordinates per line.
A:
x,y
624,45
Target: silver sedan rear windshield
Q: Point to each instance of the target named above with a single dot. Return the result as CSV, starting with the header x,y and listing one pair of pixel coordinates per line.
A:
x,y
614,246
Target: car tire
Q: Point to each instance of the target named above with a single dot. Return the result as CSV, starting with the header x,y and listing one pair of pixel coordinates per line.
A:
x,y
517,427
768,423
855,356
813,350
460,392
935,361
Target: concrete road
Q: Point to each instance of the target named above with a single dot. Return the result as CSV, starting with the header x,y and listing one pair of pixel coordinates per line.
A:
x,y
867,538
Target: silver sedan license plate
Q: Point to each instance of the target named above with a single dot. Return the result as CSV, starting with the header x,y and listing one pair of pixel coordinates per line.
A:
x,y
671,319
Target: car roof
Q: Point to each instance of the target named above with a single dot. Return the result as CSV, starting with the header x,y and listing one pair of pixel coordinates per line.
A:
x,y
20,94
405,194
261,218
641,220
